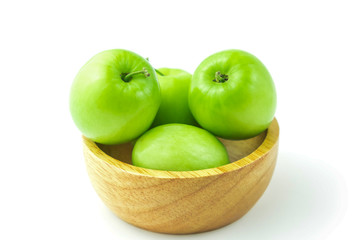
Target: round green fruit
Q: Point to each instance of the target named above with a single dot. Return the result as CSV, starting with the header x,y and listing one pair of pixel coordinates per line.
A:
x,y
114,97
179,147
232,95
174,108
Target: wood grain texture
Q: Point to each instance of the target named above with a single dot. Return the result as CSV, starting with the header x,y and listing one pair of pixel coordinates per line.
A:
x,y
188,201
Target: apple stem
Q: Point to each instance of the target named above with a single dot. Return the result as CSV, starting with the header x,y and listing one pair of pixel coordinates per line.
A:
x,y
128,76
220,78
158,72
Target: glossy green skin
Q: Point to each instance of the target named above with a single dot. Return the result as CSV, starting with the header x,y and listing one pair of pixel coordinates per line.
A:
x,y
239,108
179,147
107,109
174,106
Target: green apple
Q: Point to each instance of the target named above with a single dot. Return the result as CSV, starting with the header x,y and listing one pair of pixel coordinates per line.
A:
x,y
174,108
232,95
179,147
115,97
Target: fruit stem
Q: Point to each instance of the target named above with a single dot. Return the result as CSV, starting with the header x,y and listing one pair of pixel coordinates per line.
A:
x,y
220,78
158,72
128,76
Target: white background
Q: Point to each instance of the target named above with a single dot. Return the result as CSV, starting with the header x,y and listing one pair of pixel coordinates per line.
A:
x,y
311,49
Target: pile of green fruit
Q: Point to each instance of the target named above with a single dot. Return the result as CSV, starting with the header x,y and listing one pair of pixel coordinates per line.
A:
x,y
117,96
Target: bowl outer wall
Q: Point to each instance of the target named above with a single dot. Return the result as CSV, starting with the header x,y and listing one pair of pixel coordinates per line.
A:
x,y
182,202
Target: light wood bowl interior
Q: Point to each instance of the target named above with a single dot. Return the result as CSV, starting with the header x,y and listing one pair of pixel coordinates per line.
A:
x,y
185,201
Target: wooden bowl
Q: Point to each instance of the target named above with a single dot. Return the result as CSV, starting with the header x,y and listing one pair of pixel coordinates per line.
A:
x,y
187,201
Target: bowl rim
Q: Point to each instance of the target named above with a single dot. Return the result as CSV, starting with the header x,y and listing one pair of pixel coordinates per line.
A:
x,y
271,139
